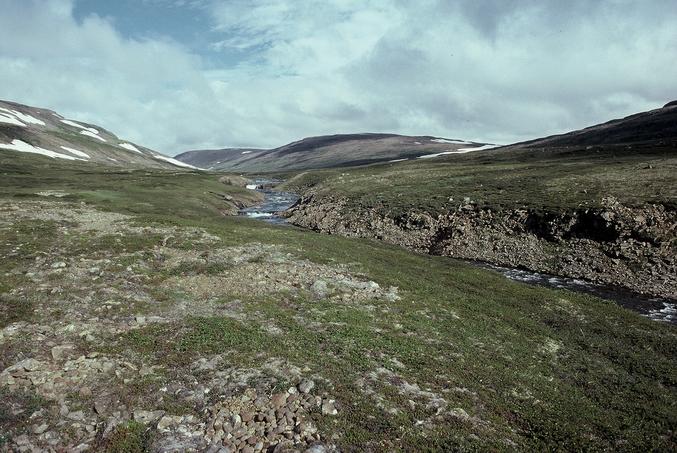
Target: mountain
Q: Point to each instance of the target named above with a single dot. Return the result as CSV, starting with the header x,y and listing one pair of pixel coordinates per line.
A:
x,y
658,126
328,151
42,132
214,158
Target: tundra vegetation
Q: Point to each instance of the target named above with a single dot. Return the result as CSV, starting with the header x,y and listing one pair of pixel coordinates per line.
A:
x,y
135,316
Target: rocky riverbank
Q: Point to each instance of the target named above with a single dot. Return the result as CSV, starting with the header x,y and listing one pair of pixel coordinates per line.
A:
x,y
632,247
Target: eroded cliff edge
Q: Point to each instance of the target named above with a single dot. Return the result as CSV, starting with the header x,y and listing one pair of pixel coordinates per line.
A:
x,y
633,247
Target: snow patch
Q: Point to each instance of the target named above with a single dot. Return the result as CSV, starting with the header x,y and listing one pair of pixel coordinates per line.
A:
x,y
23,147
252,186
246,152
174,161
89,133
446,140
397,160
80,126
479,148
76,152
18,118
10,120
130,147
459,151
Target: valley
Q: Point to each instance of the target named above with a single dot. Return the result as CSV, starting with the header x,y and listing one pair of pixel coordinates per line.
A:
x,y
142,310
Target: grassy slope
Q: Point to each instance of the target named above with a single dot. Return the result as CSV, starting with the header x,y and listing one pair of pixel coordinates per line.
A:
x,y
544,369
563,178
181,193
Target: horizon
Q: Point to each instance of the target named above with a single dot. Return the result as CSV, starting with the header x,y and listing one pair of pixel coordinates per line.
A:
x,y
181,75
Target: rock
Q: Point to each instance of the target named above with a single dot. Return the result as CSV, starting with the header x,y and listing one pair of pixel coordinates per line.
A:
x,y
146,417
62,352
316,448
279,399
167,422
328,408
146,370
78,416
306,386
25,365
140,320
85,392
99,407
246,416
320,289
39,429
58,265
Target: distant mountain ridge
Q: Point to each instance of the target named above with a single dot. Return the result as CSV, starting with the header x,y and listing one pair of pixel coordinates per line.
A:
x,y
328,151
651,127
41,132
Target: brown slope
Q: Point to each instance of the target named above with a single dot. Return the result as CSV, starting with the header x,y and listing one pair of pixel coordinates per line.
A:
x,y
25,128
657,126
325,152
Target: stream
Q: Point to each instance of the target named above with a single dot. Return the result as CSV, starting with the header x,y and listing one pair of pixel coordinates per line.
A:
x,y
657,309
273,202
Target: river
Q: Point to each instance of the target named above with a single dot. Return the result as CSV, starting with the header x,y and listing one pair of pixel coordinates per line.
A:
x,y
657,309
274,201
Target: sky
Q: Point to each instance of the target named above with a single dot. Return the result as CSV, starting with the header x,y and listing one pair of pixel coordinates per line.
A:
x,y
176,75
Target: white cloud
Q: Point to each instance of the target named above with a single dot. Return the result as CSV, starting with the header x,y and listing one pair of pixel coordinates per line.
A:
x,y
496,70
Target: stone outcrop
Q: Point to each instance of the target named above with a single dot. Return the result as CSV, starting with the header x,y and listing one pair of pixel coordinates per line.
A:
x,y
634,247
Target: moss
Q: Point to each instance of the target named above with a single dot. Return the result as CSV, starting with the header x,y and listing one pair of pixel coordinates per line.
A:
x,y
132,437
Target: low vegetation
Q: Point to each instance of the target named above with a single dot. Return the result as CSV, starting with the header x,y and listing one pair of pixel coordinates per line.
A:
x,y
540,179
177,327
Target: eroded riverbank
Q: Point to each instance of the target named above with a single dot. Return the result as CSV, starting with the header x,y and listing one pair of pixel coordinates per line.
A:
x,y
617,253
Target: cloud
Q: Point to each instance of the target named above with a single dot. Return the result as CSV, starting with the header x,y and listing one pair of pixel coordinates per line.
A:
x,y
494,70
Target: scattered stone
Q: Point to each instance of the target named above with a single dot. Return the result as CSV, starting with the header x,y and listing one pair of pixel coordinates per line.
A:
x,y
306,386
279,399
147,417
168,421
320,289
85,392
99,407
78,415
328,407
39,429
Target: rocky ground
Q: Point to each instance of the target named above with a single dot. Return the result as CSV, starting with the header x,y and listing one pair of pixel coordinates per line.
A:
x,y
70,378
618,245
134,321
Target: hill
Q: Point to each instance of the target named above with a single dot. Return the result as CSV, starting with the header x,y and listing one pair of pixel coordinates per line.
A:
x,y
327,152
657,126
41,132
597,204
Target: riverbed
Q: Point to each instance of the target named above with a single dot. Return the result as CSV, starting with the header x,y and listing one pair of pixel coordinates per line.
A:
x,y
657,309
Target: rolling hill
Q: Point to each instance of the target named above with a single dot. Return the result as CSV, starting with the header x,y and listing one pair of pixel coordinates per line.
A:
x,y
658,126
42,132
328,151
